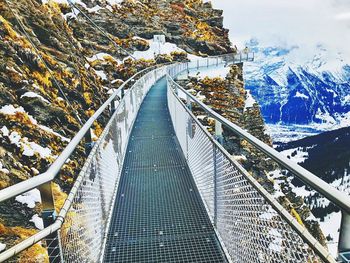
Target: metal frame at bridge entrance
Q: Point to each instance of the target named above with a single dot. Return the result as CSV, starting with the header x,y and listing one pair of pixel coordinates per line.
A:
x,y
340,199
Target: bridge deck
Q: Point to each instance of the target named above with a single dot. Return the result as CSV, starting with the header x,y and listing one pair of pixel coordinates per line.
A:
x,y
159,215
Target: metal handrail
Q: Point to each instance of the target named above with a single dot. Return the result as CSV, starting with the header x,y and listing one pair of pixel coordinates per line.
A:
x,y
59,219
53,170
55,167
341,199
301,230
68,202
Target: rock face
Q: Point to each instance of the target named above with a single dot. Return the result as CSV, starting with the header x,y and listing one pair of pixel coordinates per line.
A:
x,y
229,98
56,69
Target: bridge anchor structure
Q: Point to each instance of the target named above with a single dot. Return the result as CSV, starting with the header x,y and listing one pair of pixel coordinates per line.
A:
x,y
158,187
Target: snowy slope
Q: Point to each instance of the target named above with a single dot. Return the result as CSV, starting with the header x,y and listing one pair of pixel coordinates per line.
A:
x,y
328,156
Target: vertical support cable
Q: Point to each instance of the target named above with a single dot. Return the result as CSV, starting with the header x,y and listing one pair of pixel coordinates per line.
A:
x,y
49,216
88,142
60,245
188,70
218,132
189,126
215,188
189,103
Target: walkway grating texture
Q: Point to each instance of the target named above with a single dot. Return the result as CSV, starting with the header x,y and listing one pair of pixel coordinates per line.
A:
x,y
159,216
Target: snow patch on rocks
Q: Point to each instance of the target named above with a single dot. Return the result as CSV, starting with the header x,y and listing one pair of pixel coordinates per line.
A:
x,y
30,198
38,222
250,101
2,247
31,94
158,48
3,170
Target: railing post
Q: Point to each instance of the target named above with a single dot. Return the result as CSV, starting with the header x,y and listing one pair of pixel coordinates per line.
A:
x,y
113,107
218,132
215,188
188,70
88,143
240,57
189,103
176,90
344,237
49,216
197,64
219,137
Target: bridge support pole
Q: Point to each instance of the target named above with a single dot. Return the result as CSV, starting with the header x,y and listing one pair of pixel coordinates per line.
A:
x,y
189,103
113,107
344,238
88,143
215,188
218,132
176,90
188,70
49,216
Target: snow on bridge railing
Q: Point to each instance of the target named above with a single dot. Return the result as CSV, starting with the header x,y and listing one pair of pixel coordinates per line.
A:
x,y
232,187
78,232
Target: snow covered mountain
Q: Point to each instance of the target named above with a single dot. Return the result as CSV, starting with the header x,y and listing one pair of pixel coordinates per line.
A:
x,y
305,101
326,155
296,90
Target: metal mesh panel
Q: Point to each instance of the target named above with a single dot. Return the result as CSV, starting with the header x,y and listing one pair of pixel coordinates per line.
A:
x,y
251,230
84,230
159,215
200,162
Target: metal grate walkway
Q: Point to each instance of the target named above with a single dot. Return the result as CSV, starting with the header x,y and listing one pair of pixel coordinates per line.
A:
x,y
159,215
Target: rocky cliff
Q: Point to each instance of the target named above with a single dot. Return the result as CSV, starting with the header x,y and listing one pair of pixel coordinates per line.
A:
x,y
228,97
57,68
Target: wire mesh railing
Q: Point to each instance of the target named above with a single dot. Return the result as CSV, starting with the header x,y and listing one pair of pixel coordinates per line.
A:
x,y
83,233
252,226
84,216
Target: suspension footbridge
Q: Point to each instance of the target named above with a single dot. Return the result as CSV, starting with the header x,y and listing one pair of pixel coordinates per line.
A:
x,y
158,187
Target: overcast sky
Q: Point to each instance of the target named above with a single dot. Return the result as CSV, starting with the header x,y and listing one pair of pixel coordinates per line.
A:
x,y
305,23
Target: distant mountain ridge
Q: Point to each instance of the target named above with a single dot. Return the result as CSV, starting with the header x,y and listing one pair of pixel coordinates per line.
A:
x,y
328,155
315,92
